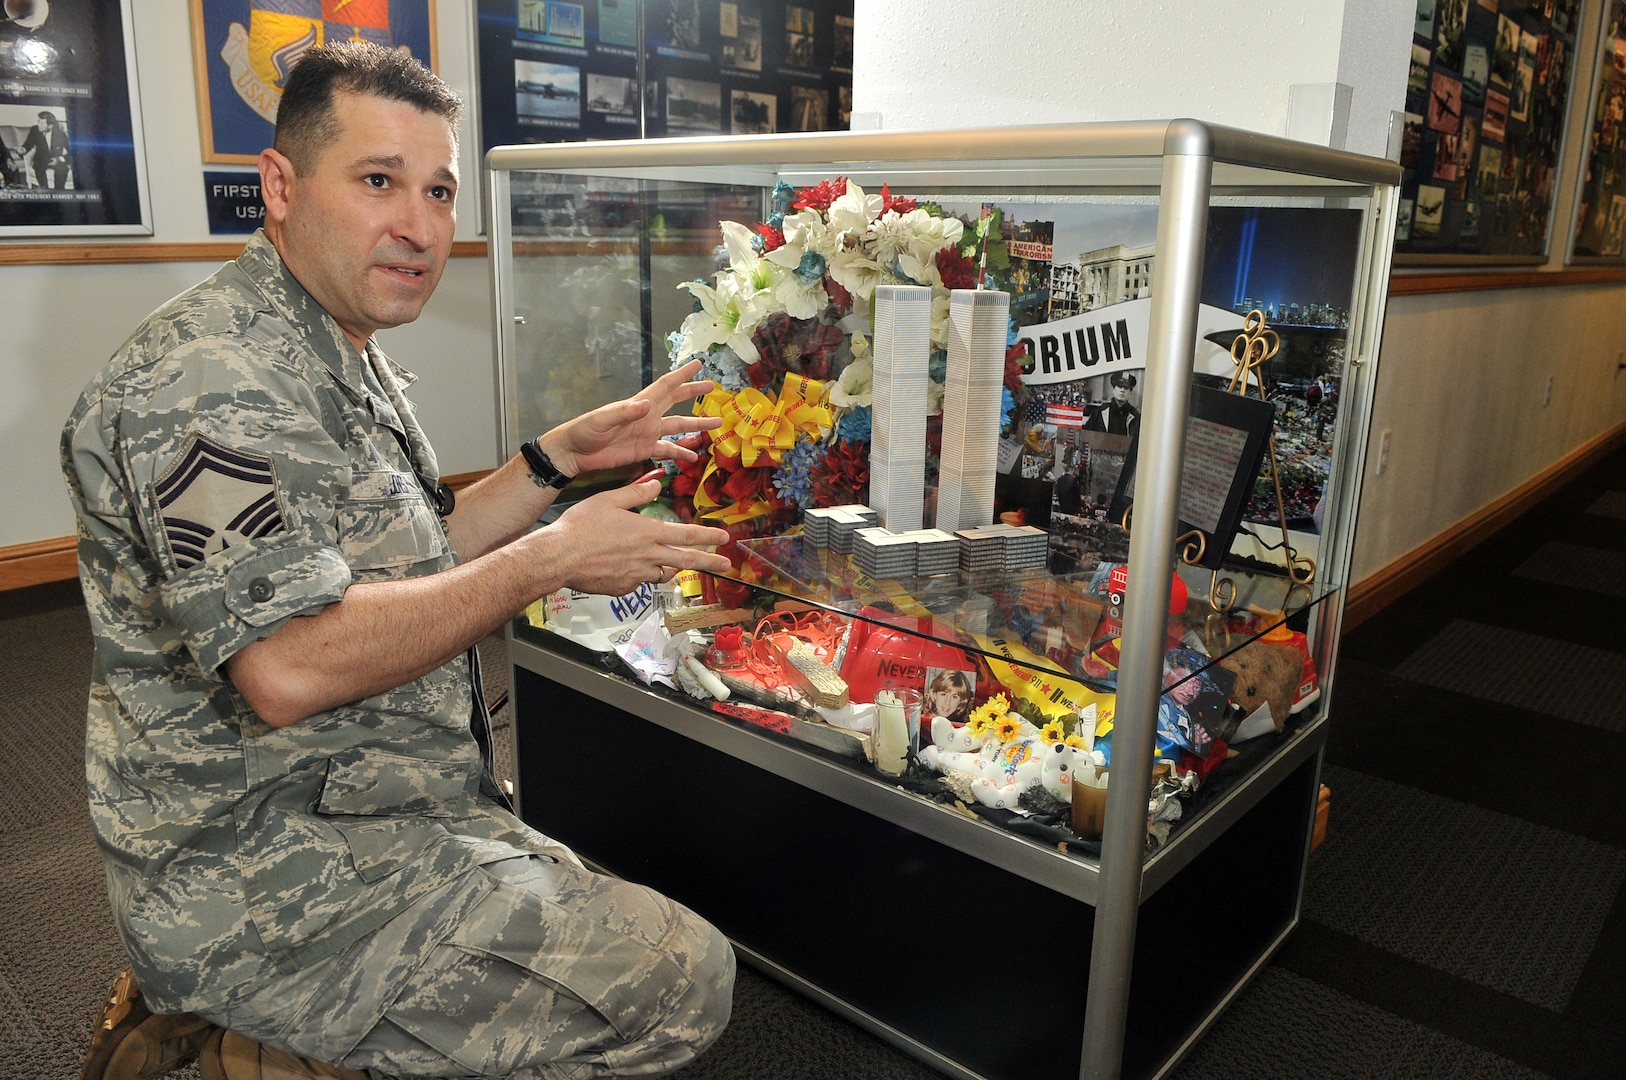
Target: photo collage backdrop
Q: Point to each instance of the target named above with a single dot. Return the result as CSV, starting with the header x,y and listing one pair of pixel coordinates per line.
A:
x,y
552,71
1485,103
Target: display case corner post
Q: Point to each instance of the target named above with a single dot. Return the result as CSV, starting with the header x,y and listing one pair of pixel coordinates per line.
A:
x,y
1187,179
500,266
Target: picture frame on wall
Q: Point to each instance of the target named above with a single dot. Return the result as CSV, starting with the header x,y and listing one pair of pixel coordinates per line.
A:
x,y
72,158
1492,82
1598,227
242,51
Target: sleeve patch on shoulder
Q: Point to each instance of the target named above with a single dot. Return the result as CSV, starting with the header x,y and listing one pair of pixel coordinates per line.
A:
x,y
212,498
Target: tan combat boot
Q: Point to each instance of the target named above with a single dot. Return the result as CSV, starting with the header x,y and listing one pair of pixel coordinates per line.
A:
x,y
230,1056
131,1042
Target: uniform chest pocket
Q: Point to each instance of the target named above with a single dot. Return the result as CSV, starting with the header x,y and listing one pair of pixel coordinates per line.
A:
x,y
387,523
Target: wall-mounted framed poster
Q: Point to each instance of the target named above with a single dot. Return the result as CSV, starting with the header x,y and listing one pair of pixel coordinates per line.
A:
x,y
72,161
242,51
1599,229
1487,101
555,71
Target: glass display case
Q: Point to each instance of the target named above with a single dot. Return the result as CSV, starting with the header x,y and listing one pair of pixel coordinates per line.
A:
x,y
1112,587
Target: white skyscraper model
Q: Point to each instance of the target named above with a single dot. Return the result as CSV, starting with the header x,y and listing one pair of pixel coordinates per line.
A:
x,y
972,396
897,449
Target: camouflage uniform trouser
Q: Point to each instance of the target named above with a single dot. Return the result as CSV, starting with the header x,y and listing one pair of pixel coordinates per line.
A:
x,y
526,968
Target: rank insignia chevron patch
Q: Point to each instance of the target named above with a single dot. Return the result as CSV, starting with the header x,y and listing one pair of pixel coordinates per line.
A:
x,y
212,498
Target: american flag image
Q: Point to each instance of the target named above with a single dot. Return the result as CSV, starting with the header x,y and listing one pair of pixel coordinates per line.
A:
x,y
1064,415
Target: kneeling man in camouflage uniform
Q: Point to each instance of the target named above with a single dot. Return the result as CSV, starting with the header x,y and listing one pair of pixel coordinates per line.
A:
x,y
304,849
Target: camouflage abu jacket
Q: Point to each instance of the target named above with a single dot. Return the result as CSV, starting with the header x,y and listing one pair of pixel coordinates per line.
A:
x,y
238,463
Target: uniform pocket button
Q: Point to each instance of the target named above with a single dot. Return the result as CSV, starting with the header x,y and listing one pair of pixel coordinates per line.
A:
x,y
260,590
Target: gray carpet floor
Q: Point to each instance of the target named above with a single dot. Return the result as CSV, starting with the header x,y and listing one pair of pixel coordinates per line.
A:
x,y
1466,917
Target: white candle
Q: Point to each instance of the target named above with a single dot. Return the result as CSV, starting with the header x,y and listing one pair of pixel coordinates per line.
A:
x,y
891,734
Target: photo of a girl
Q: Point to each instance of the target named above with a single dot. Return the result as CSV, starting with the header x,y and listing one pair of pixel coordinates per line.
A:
x,y
949,692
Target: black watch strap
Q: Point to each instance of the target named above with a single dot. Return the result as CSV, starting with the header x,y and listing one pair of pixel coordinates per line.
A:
x,y
542,466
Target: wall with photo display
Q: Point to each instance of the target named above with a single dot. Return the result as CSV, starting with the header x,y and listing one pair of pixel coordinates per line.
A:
x,y
1600,215
554,71
1486,101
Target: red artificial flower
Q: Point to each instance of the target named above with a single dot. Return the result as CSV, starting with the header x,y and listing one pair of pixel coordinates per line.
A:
x,y
820,197
1013,366
902,203
839,296
772,238
957,270
687,479
804,346
753,484
842,474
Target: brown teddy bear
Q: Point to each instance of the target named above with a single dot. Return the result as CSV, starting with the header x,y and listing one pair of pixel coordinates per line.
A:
x,y
1265,672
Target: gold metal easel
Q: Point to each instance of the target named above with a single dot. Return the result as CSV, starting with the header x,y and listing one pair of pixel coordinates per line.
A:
x,y
1256,344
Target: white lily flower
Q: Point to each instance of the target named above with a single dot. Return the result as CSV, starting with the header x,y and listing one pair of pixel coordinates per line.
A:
x,y
727,316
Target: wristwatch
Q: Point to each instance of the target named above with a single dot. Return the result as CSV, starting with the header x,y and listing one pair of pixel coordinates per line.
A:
x,y
542,466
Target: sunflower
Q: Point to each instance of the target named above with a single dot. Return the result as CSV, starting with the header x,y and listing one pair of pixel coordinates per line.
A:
x,y
1007,728
1053,732
980,724
1076,742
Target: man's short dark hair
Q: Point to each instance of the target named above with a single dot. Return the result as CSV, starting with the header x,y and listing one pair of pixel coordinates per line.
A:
x,y
306,121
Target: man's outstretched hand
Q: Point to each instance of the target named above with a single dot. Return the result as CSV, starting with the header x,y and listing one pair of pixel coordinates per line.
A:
x,y
631,430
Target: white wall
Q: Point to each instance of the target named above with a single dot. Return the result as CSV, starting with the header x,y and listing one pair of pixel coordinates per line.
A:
x,y
62,322
971,63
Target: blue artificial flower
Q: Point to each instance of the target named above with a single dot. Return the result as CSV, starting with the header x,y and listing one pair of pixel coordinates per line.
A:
x,y
937,366
794,479
783,195
777,219
1007,408
854,425
810,269
722,367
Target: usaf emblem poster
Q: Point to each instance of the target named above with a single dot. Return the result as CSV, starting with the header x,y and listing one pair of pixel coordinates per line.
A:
x,y
71,159
244,49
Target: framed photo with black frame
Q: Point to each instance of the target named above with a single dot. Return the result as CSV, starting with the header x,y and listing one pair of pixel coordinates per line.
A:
x,y
1226,437
72,160
242,52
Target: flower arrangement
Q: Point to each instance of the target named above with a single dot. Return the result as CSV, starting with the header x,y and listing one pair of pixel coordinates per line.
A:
x,y
784,329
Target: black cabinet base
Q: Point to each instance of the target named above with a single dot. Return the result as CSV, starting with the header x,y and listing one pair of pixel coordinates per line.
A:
x,y
984,967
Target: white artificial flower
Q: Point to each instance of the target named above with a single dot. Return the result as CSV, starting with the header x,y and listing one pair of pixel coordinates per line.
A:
x,y
728,313
852,212
855,387
857,274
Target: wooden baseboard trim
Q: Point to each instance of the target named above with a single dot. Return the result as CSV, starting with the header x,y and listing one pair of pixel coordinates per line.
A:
x,y
1377,591
44,561
38,563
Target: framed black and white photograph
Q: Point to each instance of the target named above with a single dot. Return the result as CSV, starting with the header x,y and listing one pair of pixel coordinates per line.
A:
x,y
752,113
71,154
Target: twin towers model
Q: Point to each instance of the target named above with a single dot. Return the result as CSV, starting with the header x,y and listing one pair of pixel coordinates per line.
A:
x,y
972,401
